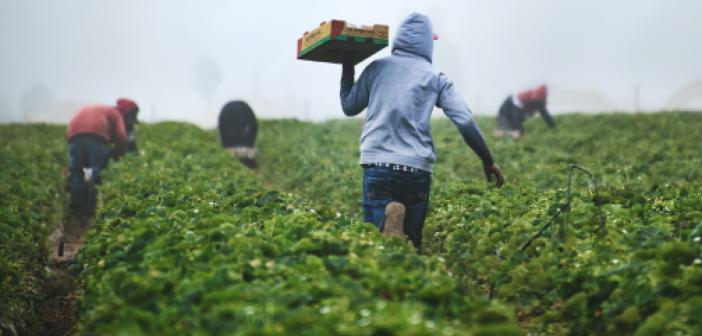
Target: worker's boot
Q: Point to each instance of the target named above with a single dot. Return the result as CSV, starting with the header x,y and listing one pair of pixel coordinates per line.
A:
x,y
394,219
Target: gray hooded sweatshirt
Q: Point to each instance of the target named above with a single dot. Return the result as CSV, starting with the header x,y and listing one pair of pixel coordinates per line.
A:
x,y
400,92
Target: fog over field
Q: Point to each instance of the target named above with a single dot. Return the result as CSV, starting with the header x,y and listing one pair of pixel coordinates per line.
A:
x,y
182,60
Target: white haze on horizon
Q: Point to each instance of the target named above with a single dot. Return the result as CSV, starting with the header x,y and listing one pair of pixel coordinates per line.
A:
x,y
182,60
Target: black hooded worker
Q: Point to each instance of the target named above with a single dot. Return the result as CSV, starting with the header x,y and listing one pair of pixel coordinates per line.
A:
x,y
397,150
237,130
517,108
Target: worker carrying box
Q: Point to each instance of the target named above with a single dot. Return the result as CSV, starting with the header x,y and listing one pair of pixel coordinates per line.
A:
x,y
336,41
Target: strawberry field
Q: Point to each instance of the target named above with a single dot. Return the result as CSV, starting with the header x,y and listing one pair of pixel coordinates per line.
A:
x,y
31,201
189,241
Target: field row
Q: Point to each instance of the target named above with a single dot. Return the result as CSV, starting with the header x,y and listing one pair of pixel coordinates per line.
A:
x,y
642,273
188,241
32,197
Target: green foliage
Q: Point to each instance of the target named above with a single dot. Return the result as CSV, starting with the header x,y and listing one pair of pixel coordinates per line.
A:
x,y
319,161
648,168
187,241
31,200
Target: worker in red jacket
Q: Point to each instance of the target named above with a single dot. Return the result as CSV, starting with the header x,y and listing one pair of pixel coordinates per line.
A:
x,y
91,134
517,108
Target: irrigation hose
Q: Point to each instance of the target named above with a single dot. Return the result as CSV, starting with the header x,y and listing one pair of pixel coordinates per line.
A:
x,y
564,224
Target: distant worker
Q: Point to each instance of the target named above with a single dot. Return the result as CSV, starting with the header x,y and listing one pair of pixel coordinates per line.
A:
x,y
237,130
129,110
397,150
518,107
90,135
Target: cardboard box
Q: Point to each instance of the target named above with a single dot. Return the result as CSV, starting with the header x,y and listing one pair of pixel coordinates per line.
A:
x,y
336,41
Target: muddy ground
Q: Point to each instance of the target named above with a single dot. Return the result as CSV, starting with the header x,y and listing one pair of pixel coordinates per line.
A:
x,y
58,311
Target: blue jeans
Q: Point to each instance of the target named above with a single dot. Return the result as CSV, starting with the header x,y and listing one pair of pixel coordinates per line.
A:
x,y
382,185
85,151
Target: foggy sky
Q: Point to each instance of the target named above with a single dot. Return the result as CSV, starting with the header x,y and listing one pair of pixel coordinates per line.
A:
x,y
183,60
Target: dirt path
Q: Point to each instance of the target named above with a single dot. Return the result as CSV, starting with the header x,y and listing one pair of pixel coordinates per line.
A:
x,y
58,312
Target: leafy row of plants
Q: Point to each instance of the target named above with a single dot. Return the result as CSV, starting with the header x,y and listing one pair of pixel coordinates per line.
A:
x,y
31,203
319,161
641,275
187,241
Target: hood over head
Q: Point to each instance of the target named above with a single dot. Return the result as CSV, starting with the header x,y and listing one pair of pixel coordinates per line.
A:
x,y
415,36
125,106
538,94
128,109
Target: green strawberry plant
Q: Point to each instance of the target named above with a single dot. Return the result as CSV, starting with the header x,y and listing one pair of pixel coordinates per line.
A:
x,y
189,241
32,197
621,281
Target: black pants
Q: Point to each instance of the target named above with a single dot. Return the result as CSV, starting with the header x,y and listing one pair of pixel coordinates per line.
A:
x,y
511,117
86,151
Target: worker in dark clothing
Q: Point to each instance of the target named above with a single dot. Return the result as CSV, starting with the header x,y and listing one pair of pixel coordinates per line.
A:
x,y
129,110
90,135
237,130
517,108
